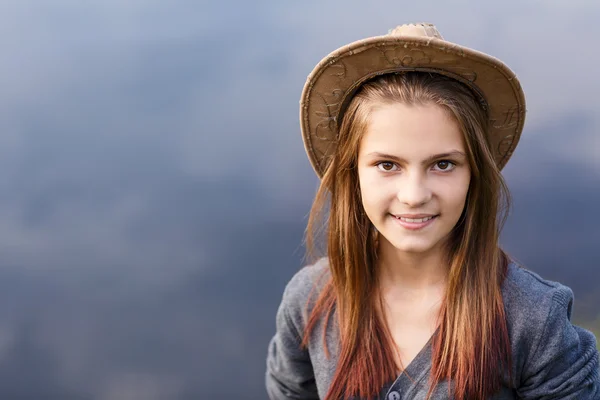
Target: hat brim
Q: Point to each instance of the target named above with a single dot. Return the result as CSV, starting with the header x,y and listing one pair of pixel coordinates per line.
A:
x,y
334,80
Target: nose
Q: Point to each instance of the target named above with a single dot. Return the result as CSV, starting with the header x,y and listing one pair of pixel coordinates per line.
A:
x,y
413,190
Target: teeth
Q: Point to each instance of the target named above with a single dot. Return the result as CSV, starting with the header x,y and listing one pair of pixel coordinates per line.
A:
x,y
417,220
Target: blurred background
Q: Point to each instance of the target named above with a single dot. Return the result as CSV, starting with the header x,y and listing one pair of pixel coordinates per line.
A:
x,y
155,189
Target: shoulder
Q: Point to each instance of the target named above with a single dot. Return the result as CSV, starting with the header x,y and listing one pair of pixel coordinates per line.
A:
x,y
305,280
290,370
529,300
548,351
302,290
525,291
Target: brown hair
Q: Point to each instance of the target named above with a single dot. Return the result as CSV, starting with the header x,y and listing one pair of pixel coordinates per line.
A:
x,y
472,345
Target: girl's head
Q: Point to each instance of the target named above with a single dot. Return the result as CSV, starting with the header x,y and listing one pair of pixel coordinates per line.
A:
x,y
414,145
412,163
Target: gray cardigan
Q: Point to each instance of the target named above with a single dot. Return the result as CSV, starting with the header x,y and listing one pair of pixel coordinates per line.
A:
x,y
552,358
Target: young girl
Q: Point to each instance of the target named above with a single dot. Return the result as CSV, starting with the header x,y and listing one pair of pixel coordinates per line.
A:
x,y
415,298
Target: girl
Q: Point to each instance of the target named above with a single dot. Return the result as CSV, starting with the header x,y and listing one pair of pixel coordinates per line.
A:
x,y
415,298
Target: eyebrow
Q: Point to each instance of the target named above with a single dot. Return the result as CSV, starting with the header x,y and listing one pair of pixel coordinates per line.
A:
x,y
450,154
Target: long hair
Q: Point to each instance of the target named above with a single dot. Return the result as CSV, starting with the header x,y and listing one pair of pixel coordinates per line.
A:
x,y
472,346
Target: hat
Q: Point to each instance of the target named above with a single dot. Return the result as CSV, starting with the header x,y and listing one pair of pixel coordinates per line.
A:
x,y
410,47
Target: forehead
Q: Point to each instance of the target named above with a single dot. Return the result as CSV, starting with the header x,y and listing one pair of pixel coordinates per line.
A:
x,y
411,131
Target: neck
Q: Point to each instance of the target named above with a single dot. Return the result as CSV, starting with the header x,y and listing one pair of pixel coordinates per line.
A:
x,y
414,272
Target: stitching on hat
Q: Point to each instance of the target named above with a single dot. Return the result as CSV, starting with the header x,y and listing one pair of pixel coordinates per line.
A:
x,y
509,121
342,73
407,60
505,145
328,117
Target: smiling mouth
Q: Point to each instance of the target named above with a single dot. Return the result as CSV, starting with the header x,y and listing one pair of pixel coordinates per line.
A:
x,y
415,220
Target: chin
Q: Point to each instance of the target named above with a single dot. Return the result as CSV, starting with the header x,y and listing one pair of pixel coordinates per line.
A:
x,y
413,246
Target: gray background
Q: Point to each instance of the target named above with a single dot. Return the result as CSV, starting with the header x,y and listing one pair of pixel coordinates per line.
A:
x,y
154,186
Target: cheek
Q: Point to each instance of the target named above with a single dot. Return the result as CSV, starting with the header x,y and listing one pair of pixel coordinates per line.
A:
x,y
367,197
371,193
457,195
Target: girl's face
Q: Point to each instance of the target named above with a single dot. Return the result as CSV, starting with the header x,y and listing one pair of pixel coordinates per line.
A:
x,y
414,175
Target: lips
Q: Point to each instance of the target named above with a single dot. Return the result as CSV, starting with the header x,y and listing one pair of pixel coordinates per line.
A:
x,y
415,216
415,221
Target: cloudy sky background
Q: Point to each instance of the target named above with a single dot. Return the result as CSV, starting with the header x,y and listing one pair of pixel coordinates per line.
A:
x,y
154,187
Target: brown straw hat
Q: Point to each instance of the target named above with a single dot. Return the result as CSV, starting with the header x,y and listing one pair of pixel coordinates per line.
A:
x,y
411,47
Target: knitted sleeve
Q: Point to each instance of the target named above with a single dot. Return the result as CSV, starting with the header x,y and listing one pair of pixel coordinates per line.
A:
x,y
289,373
563,363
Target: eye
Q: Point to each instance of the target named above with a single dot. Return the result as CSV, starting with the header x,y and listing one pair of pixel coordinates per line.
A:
x,y
445,165
386,166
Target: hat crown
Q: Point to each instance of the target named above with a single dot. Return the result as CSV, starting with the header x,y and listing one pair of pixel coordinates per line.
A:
x,y
418,30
